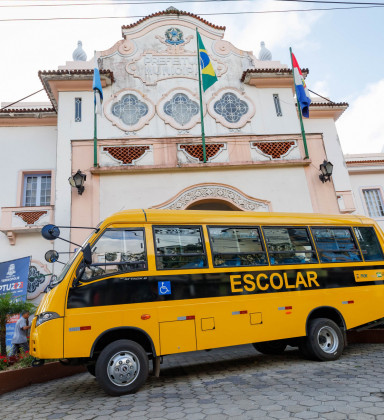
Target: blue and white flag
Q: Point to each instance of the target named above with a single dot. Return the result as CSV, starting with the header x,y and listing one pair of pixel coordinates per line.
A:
x,y
301,88
96,86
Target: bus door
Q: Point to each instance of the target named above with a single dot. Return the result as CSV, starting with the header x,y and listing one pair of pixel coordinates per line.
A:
x,y
180,257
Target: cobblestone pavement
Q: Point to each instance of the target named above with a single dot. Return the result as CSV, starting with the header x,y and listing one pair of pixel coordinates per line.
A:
x,y
229,383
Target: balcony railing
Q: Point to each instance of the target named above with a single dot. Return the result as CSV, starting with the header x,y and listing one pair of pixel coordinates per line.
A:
x,y
15,220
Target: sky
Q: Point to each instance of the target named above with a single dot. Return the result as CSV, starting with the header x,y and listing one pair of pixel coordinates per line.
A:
x,y
341,48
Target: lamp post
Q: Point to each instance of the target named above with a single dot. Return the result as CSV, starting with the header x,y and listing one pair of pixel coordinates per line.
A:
x,y
77,181
326,169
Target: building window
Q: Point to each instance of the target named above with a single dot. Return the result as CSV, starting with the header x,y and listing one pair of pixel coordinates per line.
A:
x,y
77,109
230,107
276,100
37,190
129,109
181,108
374,202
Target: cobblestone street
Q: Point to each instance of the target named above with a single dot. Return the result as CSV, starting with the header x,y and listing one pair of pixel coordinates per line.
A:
x,y
230,383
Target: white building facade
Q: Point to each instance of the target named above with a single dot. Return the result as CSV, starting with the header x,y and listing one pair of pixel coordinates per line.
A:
x,y
149,148
367,179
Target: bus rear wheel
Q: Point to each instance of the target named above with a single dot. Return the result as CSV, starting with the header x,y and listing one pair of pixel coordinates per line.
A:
x,y
122,367
325,340
271,347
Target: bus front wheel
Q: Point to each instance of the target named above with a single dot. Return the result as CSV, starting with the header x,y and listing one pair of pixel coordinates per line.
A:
x,y
271,347
325,340
122,367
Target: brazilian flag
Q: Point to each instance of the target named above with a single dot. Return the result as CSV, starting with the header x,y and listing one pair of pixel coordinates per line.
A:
x,y
208,74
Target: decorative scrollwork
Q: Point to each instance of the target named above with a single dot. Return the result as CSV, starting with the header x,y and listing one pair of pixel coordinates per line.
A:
x,y
35,278
215,191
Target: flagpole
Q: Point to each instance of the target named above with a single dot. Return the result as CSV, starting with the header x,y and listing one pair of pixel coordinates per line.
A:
x,y
94,130
201,101
299,109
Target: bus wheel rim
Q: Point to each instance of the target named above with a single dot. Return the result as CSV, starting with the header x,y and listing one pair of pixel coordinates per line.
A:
x,y
328,340
123,368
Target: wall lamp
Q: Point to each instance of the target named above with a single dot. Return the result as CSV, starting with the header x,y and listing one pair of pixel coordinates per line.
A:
x,y
326,169
77,181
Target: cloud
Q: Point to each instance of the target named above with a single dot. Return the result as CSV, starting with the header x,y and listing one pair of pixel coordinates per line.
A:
x,y
321,87
361,128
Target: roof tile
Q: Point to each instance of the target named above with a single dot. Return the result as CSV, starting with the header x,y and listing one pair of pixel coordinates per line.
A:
x,y
173,12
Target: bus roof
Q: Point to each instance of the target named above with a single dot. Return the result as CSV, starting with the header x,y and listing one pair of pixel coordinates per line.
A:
x,y
155,216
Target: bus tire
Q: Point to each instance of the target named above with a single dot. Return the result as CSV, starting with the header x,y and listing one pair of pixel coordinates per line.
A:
x,y
271,347
325,340
122,367
304,349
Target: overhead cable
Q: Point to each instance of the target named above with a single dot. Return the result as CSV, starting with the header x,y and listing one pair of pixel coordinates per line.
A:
x,y
19,100
200,14
117,3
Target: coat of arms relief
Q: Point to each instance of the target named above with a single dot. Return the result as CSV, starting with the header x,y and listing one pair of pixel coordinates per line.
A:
x,y
175,60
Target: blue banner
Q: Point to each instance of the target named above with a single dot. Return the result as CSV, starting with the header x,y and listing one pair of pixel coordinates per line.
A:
x,y
14,279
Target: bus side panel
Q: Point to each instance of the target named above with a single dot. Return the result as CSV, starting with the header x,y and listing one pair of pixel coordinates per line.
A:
x,y
83,326
360,305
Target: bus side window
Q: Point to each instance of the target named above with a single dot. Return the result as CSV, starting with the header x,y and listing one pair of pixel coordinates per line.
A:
x,y
369,243
179,247
236,246
117,251
289,245
336,244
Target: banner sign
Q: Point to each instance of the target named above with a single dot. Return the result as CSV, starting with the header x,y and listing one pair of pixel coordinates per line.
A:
x,y
14,279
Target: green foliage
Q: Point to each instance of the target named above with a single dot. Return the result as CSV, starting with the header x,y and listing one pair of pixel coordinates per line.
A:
x,y
10,306
25,360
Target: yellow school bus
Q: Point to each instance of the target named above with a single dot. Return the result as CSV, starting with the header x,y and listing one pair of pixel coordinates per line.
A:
x,y
150,283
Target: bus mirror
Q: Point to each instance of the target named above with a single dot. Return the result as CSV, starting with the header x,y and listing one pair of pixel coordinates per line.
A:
x,y
87,253
50,232
79,275
51,256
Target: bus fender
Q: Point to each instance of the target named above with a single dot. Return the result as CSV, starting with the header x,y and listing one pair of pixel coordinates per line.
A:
x,y
126,329
328,312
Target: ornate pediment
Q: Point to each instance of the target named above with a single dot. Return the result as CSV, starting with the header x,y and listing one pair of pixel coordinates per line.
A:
x,y
172,59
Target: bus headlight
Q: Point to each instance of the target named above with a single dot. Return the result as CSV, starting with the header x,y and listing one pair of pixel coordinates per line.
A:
x,y
46,316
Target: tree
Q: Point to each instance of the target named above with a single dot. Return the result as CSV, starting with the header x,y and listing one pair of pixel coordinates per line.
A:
x,y
10,306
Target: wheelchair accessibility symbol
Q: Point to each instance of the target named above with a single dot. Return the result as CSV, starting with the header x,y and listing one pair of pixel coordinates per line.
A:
x,y
164,287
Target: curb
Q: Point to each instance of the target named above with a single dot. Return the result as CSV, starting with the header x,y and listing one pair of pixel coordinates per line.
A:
x,y
11,380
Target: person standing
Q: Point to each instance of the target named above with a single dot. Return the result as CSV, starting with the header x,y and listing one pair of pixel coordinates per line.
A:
x,y
20,340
